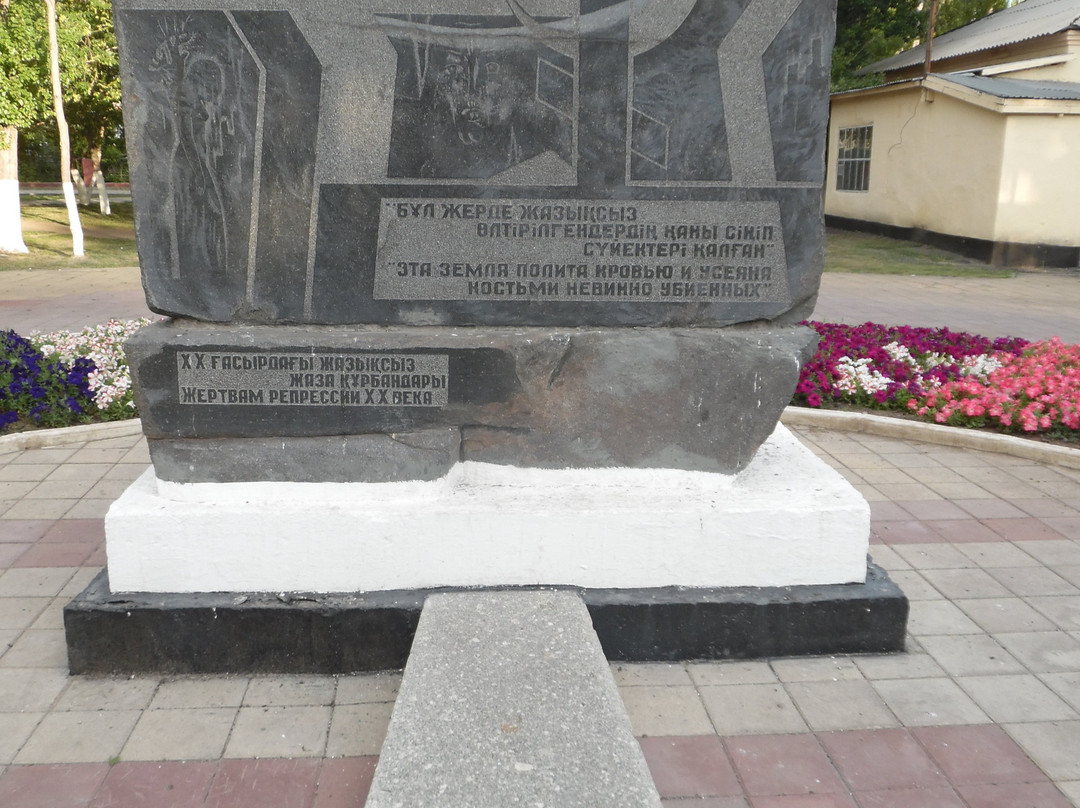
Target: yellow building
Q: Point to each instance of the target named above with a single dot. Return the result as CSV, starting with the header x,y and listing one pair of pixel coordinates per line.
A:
x,y
983,154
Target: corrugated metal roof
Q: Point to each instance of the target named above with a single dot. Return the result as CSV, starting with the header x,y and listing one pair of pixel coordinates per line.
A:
x,y
1016,88
1025,20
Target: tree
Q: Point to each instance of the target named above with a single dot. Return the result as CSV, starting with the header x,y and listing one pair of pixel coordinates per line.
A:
x,y
869,30
23,102
91,75
62,128
86,48
954,13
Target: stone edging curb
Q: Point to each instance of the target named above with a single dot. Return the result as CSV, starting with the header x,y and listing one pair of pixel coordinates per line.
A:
x,y
45,438
792,416
932,433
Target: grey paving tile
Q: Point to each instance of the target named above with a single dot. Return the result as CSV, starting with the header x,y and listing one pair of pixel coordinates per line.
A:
x,y
649,673
50,456
1015,489
200,691
1002,615
971,655
936,474
368,687
59,489
1054,553
887,558
53,615
107,693
107,489
79,581
358,729
816,669
985,474
13,492
751,710
929,617
929,702
1016,698
965,491
1024,581
15,729
1063,610
1066,685
1070,574
78,737
1052,745
1044,506
886,474
35,582
997,554
730,672
37,648
30,689
290,690
912,491
956,584
89,509
192,734
841,705
26,472
933,556
39,508
1044,651
89,454
279,732
20,612
666,711
80,471
914,585
899,666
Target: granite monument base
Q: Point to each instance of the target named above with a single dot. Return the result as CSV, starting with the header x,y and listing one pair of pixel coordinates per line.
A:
x,y
113,633
786,520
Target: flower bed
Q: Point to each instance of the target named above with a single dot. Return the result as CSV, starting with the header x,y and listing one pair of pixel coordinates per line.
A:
x,y
947,377
66,378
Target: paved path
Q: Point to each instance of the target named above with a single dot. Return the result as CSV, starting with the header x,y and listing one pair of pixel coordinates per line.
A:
x,y
70,299
982,712
1030,305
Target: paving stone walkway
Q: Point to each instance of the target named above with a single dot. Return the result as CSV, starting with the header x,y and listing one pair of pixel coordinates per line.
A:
x,y
983,711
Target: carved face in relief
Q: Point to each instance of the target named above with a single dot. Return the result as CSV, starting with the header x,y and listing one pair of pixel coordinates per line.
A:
x,y
470,85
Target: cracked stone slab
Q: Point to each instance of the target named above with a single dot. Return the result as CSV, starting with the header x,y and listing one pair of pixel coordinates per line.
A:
x,y
233,403
507,699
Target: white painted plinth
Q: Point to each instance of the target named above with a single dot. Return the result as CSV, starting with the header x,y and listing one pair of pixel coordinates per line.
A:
x,y
788,519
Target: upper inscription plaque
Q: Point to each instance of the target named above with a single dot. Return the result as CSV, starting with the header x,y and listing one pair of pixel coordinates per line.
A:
x,y
519,162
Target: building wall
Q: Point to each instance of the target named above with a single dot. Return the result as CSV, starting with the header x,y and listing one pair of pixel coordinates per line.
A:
x,y
934,165
1039,194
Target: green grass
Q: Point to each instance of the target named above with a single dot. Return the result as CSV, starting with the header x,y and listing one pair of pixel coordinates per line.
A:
x,y
112,245
850,251
120,224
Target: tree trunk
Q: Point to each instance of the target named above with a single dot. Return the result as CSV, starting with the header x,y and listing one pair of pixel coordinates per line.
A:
x,y
65,141
11,239
98,177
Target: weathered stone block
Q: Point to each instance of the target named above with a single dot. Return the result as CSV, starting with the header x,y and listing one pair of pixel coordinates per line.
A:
x,y
700,399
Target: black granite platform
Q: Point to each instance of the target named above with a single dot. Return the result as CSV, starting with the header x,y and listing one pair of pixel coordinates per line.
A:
x,y
127,633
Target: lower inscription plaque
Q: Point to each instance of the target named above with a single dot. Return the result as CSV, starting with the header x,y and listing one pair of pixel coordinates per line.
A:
x,y
312,379
580,250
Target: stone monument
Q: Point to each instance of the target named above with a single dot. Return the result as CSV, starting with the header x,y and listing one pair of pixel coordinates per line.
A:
x,y
485,293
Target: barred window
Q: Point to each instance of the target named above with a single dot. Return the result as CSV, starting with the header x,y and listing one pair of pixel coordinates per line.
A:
x,y
853,161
